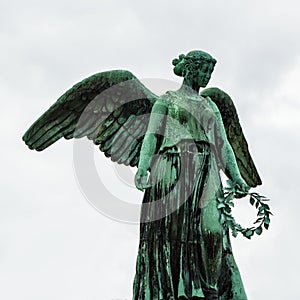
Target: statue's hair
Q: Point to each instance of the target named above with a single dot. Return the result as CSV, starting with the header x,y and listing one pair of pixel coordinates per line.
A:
x,y
186,65
178,65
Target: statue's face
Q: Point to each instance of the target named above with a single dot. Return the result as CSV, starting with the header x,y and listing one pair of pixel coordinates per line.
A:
x,y
204,73
199,67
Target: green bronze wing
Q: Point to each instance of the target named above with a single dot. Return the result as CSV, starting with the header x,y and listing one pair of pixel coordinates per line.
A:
x,y
111,108
235,134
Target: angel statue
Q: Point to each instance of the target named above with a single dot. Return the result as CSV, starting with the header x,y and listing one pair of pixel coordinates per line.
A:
x,y
180,141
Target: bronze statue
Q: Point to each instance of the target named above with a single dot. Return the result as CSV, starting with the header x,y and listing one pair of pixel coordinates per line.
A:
x,y
179,141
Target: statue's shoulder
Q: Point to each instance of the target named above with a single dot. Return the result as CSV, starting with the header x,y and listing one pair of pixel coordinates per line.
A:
x,y
162,104
168,97
206,99
171,98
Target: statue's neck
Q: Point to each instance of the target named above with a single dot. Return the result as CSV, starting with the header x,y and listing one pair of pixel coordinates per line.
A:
x,y
189,87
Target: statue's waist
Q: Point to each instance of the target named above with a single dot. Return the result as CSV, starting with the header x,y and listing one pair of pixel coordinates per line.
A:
x,y
177,131
187,146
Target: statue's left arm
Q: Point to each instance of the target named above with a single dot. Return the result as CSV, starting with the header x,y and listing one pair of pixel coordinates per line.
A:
x,y
228,161
228,118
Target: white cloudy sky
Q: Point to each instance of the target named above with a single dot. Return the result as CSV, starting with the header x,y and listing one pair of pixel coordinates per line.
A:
x,y
53,244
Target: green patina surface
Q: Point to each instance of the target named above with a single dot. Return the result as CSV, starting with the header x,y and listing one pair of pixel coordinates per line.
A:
x,y
179,141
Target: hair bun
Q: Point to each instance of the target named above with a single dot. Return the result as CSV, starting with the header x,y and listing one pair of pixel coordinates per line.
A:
x,y
177,63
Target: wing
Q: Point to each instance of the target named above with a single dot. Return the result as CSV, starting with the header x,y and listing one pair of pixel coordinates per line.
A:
x,y
111,108
235,135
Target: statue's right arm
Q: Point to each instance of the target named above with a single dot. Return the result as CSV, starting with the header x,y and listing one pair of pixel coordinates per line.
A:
x,y
155,126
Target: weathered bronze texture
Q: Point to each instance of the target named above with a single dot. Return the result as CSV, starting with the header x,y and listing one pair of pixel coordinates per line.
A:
x,y
179,141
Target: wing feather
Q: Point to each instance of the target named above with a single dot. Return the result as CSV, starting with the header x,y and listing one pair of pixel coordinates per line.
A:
x,y
103,107
53,134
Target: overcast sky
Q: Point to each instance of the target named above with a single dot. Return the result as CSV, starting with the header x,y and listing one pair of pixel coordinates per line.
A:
x,y
53,244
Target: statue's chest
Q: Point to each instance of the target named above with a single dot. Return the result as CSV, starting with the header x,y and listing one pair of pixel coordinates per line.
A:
x,y
184,111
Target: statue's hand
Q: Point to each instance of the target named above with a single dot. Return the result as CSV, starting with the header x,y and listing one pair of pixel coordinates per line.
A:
x,y
241,188
141,179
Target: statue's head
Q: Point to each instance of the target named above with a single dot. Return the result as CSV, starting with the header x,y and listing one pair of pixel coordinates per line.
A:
x,y
196,66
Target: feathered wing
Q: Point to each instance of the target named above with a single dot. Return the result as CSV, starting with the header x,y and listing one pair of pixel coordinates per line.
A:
x,y
235,134
111,108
